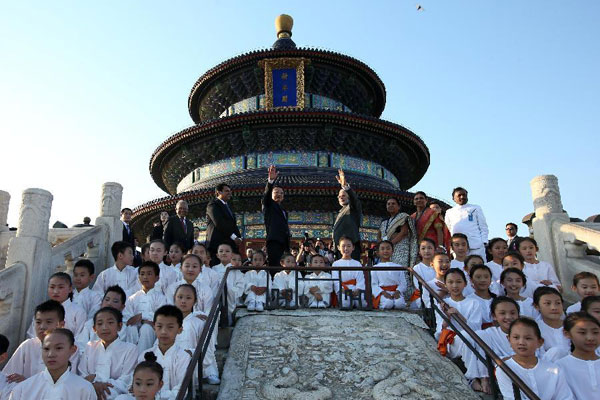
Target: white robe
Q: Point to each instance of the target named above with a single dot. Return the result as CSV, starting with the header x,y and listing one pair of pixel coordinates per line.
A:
x,y
469,308
325,289
574,308
188,340
212,279
425,271
89,300
41,386
113,365
469,220
204,294
235,289
527,309
553,337
541,271
258,279
127,279
583,377
27,359
168,275
220,269
146,304
496,270
174,362
346,276
485,304
546,380
88,335
283,281
75,317
388,278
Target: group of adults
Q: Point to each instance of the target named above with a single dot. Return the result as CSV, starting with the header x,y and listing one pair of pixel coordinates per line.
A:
x,y
403,230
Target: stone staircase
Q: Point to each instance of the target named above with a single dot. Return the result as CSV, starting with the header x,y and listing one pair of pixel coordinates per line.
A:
x,y
332,354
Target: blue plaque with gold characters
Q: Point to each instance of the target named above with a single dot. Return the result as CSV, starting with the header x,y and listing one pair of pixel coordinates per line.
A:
x,y
284,82
284,87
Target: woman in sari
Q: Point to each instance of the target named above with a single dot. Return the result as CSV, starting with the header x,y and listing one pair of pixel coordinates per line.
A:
x,y
400,229
430,223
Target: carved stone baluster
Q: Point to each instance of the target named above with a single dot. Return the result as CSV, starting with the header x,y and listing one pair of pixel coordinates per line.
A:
x,y
4,203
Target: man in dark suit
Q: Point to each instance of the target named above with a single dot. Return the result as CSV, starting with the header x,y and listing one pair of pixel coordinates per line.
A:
x,y
127,231
347,222
513,240
179,228
276,220
221,225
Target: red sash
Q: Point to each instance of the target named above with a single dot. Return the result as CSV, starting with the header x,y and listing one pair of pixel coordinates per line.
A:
x,y
446,338
486,325
415,296
390,288
345,284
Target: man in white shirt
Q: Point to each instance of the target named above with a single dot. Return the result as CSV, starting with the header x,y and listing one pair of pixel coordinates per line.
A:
x,y
468,219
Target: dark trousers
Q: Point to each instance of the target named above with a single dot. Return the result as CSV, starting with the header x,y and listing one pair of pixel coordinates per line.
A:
x,y
275,250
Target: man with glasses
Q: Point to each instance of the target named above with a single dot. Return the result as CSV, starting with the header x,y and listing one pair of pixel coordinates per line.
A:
x,y
511,233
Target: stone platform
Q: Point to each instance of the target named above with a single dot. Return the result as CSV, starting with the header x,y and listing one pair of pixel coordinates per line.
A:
x,y
331,354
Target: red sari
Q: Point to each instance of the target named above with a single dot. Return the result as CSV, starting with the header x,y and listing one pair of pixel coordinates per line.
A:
x,y
426,227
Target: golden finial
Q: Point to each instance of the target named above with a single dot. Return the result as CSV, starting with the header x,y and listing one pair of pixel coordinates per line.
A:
x,y
283,26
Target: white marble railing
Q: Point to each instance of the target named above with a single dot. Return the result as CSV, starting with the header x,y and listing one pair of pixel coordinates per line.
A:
x,y
81,243
561,242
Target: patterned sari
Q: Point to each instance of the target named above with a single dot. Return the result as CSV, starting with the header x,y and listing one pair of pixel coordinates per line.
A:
x,y
426,227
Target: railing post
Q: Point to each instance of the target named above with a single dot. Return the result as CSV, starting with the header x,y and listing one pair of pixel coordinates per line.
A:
x,y
4,203
110,211
31,247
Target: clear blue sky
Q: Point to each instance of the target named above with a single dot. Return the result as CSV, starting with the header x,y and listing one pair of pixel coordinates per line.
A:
x,y
501,91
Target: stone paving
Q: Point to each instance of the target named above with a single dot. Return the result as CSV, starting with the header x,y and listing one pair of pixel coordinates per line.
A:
x,y
331,354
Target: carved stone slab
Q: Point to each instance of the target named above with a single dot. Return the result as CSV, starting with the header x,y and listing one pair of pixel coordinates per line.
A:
x,y
330,354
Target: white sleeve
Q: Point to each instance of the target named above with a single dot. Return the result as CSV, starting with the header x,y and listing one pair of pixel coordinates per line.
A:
x,y
375,288
99,284
82,369
449,222
128,363
16,363
482,223
562,389
360,280
505,385
79,319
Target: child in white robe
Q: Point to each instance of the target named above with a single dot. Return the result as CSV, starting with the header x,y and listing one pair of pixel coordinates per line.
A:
x,y
175,256
168,274
60,289
83,275
582,366
388,287
210,277
147,380
5,387
285,281
235,284
513,280
255,283
27,361
539,272
224,254
516,260
548,301
585,284
114,297
56,380
192,275
108,363
481,279
498,249
140,307
544,378
459,243
504,311
351,280
441,265
121,274
470,262
423,269
450,344
168,323
185,299
318,292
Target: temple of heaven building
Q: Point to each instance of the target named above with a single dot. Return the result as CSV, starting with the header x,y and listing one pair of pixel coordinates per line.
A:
x,y
307,111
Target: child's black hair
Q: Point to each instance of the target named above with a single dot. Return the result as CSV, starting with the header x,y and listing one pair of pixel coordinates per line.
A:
x,y
484,267
527,322
116,313
65,332
503,299
472,256
584,275
150,364
428,240
572,319
116,289
119,247
150,264
4,344
455,271
526,239
85,263
587,302
516,255
513,270
460,236
186,286
388,242
188,256
180,245
542,291
49,306
170,311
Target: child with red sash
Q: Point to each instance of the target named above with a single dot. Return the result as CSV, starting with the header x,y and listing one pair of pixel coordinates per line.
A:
x,y
388,287
351,280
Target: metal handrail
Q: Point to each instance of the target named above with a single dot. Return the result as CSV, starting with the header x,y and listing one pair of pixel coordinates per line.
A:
x,y
187,386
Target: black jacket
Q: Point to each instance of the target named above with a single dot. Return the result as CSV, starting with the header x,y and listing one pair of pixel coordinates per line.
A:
x,y
276,218
220,225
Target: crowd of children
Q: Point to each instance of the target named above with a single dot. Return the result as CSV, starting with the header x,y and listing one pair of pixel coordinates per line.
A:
x,y
132,334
